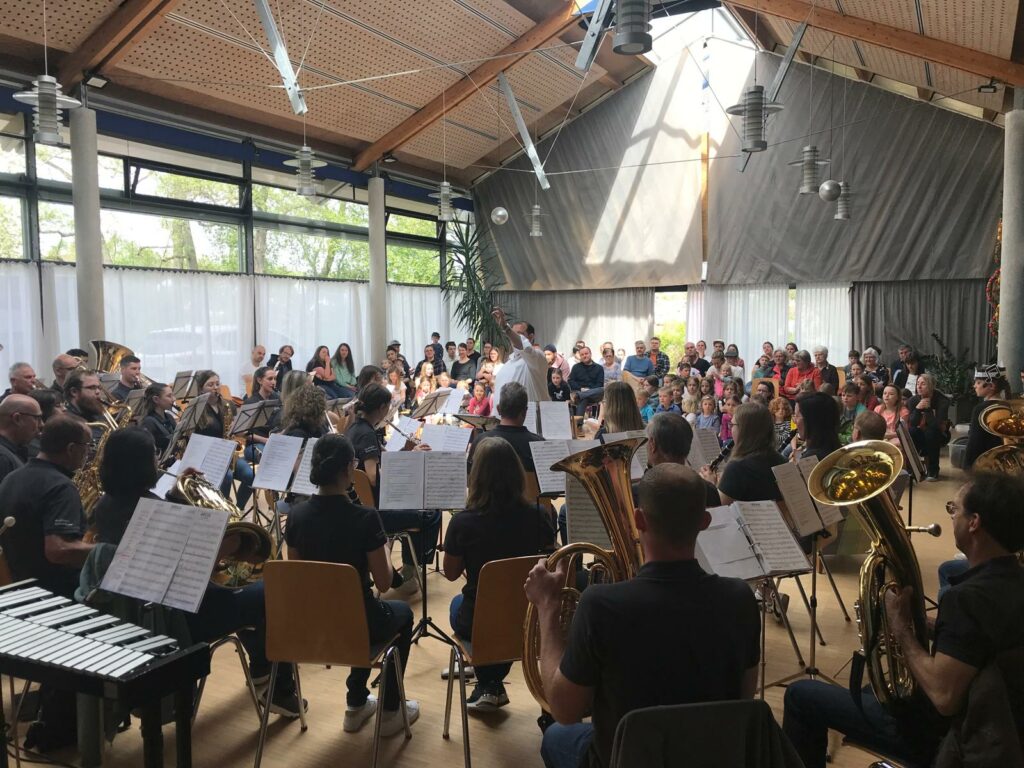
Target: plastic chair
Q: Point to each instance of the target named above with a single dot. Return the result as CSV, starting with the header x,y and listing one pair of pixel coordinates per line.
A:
x,y
497,629
316,615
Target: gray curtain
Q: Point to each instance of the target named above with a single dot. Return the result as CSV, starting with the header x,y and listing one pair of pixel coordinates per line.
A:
x,y
623,225
890,314
926,191
562,317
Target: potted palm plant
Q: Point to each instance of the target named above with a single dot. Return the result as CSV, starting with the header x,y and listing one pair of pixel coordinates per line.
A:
x,y
952,374
471,279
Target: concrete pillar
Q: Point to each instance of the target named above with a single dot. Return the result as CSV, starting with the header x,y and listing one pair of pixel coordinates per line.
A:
x,y
1011,284
85,194
378,273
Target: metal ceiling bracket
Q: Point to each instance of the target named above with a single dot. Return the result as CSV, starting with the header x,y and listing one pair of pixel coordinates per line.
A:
x,y
524,134
595,33
281,59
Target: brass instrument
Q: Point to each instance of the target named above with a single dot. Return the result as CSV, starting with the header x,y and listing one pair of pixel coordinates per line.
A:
x,y
87,477
859,475
108,359
604,472
249,544
1004,419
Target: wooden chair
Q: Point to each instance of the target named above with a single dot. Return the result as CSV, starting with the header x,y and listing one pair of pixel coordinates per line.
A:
x,y
532,492
497,630
361,482
316,615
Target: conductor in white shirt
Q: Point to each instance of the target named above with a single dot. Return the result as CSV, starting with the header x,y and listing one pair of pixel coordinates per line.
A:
x,y
526,365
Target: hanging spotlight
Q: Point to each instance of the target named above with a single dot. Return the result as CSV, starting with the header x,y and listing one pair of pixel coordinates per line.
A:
x,y
992,86
843,203
535,230
632,27
444,202
809,163
305,161
755,111
48,101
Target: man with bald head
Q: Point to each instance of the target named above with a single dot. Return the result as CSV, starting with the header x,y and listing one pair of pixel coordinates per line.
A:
x,y
695,360
23,380
20,421
63,365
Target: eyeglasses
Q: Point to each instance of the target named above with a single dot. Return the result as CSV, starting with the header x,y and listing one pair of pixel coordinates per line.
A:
x,y
33,415
92,386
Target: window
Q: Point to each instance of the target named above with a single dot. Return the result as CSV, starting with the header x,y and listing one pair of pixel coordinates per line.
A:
x,y
56,231
193,189
412,225
11,229
292,252
163,242
408,263
54,164
284,202
12,145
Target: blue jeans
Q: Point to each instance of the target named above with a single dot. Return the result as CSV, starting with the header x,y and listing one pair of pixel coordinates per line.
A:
x,y
245,476
564,746
590,397
812,707
950,568
391,618
225,610
492,673
428,523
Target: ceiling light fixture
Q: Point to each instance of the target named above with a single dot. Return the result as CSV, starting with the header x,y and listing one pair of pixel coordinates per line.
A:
x,y
535,229
47,100
305,161
843,202
445,212
991,87
95,80
389,158
809,164
754,110
632,27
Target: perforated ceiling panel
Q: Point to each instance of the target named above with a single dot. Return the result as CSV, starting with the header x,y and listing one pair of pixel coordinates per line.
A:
x,y
68,22
985,25
964,86
892,13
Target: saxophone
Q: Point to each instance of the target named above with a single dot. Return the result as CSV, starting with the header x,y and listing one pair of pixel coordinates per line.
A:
x,y
859,475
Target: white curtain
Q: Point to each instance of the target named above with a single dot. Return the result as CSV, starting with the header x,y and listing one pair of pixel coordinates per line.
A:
x,y
308,313
60,309
823,317
414,312
20,319
694,313
747,317
562,317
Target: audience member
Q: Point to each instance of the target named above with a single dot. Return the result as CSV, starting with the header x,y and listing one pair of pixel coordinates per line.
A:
x,y
658,358
730,403
344,370
558,389
586,380
928,421
893,411
480,402
874,370
612,369
695,360
708,417
464,368
665,402
802,371
556,360
640,365
851,408
853,356
782,417
827,373
643,402
906,375
735,362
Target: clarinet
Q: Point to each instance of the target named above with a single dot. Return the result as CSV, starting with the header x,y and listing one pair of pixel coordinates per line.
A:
x,y
726,450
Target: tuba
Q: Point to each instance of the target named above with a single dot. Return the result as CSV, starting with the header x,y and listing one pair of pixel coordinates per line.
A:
x,y
249,544
604,473
859,475
87,477
1004,419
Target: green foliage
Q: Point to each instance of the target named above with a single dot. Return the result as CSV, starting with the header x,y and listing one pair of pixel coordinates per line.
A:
x,y
413,264
472,277
11,246
673,341
952,372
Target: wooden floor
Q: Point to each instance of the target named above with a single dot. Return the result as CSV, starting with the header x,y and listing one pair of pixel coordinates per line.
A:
x,y
226,727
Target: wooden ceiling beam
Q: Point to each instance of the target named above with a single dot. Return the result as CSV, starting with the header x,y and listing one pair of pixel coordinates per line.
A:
x,y
910,43
126,27
427,115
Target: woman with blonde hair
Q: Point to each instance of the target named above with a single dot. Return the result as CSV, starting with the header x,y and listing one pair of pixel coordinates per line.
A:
x,y
619,411
748,474
498,523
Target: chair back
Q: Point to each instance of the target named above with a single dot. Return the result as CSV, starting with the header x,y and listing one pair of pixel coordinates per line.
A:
x,y
842,379
315,613
500,610
531,491
364,490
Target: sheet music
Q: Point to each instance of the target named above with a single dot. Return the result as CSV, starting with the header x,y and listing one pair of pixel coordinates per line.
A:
x,y
144,563
531,418
555,420
210,455
801,506
192,576
639,463
402,477
166,481
397,440
913,458
705,448
545,453
277,462
182,382
725,547
301,484
447,439
453,404
770,534
582,518
445,472
829,514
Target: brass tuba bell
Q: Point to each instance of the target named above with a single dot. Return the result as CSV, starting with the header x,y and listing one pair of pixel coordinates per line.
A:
x,y
604,472
1004,419
859,475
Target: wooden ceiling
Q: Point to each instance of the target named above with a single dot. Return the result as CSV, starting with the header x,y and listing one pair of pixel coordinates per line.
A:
x,y
202,58
942,50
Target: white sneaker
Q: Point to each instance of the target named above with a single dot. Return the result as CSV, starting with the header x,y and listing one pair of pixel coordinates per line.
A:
x,y
470,672
391,722
356,717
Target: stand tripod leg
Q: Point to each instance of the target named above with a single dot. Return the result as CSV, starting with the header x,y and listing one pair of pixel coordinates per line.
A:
x,y
425,624
786,624
835,589
807,605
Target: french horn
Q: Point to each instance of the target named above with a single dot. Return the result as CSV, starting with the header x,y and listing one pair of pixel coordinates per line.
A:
x,y
859,475
604,472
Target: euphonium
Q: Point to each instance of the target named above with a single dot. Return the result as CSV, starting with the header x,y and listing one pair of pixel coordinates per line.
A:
x,y
250,544
604,473
859,475
1004,419
87,478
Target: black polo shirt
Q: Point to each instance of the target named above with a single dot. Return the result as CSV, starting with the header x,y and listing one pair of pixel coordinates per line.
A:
x,y
367,445
12,457
672,635
162,429
74,410
121,390
751,478
480,537
44,502
518,437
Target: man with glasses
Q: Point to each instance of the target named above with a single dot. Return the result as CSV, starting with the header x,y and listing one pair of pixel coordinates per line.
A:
x,y
46,541
82,393
20,421
978,622
63,365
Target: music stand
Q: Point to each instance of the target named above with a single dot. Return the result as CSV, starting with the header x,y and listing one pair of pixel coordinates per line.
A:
x,y
186,424
913,463
134,401
483,423
109,381
424,626
432,403
182,388
250,417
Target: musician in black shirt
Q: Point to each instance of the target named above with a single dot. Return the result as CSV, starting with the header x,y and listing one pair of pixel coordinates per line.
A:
x,y
20,421
131,370
82,392
748,474
498,523
156,417
127,472
331,528
46,542
512,410
215,422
